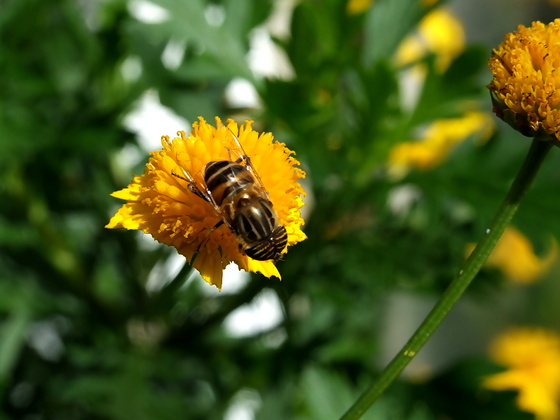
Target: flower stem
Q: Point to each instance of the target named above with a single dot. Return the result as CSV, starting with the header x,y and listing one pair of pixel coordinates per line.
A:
x,y
538,151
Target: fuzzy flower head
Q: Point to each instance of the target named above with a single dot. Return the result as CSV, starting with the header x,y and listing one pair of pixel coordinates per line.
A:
x,y
166,201
526,85
532,359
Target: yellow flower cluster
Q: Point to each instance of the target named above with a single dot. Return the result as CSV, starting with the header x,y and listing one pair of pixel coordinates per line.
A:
x,y
439,33
355,7
526,85
531,357
163,205
438,141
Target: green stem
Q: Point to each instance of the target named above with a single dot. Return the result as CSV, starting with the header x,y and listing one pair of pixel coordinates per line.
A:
x,y
538,151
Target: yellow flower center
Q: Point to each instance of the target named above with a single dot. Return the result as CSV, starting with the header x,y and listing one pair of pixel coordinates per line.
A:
x,y
525,86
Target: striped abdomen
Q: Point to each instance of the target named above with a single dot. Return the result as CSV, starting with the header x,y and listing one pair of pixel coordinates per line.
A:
x,y
247,210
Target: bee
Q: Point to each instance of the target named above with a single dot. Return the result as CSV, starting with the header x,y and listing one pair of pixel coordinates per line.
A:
x,y
235,191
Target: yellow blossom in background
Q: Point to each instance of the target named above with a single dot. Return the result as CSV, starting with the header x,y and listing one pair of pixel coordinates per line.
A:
x,y
531,357
439,33
438,141
162,205
355,7
515,257
526,85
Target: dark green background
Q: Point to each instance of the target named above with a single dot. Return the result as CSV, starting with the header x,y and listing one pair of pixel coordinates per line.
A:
x,y
81,337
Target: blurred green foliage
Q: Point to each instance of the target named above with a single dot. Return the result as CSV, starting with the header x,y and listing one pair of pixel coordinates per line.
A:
x,y
81,337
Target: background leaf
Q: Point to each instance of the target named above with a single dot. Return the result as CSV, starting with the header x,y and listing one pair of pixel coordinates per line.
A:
x,y
108,324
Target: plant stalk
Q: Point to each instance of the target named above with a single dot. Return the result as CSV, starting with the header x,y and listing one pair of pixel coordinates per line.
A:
x,y
532,163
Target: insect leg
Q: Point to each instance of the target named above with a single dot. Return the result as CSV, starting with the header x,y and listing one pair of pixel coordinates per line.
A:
x,y
191,184
207,236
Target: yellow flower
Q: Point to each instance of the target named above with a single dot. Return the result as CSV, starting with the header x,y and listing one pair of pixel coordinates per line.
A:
x,y
160,202
515,257
439,33
355,7
532,359
526,85
438,141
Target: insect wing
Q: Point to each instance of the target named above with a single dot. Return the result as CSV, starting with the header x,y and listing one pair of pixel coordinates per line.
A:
x,y
237,152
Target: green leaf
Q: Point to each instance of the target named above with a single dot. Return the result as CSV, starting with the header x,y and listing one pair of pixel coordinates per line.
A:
x,y
12,337
187,21
388,22
326,394
446,95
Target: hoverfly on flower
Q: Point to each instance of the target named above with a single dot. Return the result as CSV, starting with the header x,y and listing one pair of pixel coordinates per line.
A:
x,y
218,195
238,196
